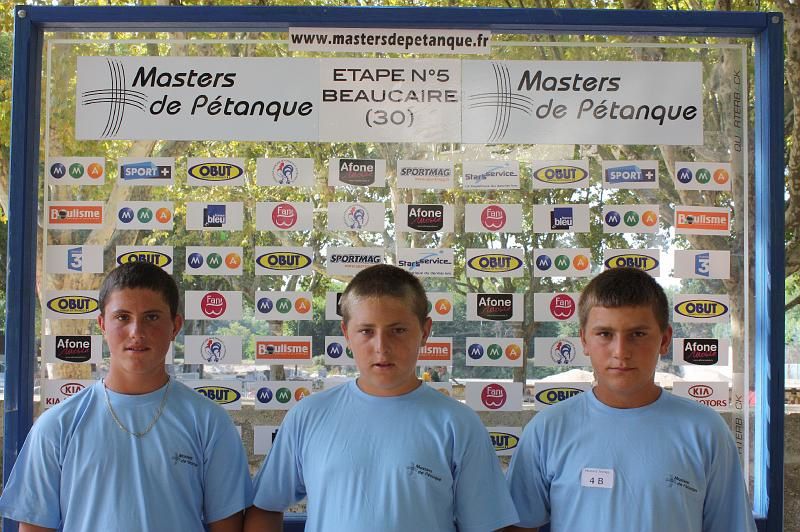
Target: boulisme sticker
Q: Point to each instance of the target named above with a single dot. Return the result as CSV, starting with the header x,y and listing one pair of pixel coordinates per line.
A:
x,y
75,170
283,350
507,352
213,305
490,175
356,216
494,396
215,171
493,218
702,221
285,172
437,351
437,175
74,214
560,174
357,172
284,216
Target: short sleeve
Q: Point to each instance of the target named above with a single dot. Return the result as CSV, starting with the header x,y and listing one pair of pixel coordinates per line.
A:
x,y
279,483
726,507
482,501
33,491
227,488
527,480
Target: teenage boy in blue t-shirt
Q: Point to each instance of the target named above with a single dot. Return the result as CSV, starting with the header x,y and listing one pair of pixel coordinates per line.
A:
x,y
136,451
628,456
385,452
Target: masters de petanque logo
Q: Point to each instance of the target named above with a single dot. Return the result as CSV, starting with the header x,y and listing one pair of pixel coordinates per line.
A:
x,y
116,97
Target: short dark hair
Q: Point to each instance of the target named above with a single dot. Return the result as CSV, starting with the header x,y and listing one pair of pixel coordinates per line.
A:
x,y
141,275
385,280
624,287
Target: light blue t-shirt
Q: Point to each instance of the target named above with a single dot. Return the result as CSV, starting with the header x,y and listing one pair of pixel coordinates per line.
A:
x,y
416,462
675,469
78,471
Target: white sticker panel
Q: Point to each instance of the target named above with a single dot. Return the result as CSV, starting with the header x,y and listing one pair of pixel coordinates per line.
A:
x,y
565,351
701,351
437,351
549,393
630,218
495,262
348,260
160,256
495,307
213,305
337,353
227,393
424,218
702,264
560,174
493,218
147,171
701,308
54,391
332,306
73,349
281,395
505,440
215,172
565,218
283,306
263,438
356,216
154,215
71,304
702,176
285,172
280,260
212,349
647,260
441,306
702,220
556,306
630,174
295,350
505,352
425,262
490,175
494,396
207,260
74,214
222,216
284,216
75,170
357,172
444,388
562,262
85,258
434,175
714,394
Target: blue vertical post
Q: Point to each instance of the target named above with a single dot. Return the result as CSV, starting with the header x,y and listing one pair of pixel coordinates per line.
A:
x,y
22,233
769,274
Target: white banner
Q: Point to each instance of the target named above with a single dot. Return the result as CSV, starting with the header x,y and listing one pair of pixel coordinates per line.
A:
x,y
435,175
74,259
494,396
703,176
555,307
425,262
153,215
332,306
263,438
284,216
285,172
337,353
356,216
506,352
569,218
223,216
582,102
213,305
440,305
56,390
702,264
212,349
349,260
561,352
490,175
714,394
493,218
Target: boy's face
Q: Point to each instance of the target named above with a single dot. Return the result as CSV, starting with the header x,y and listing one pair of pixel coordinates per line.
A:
x,y
385,337
624,345
138,329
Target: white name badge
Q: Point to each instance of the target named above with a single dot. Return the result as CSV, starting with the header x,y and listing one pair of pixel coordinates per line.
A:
x,y
592,477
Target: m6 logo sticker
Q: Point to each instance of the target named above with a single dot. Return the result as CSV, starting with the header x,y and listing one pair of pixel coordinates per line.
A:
x,y
701,308
283,306
437,351
226,393
215,172
281,395
75,170
555,307
207,260
72,304
493,218
647,260
703,176
285,172
505,352
562,262
284,216
154,215
494,396
440,306
337,352
212,349
560,174
213,305
630,218
549,393
564,351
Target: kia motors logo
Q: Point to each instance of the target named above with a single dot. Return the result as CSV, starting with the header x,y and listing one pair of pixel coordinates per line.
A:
x,y
701,391
213,304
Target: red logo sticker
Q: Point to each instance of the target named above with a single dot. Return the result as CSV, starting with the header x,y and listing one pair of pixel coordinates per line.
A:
x,y
213,304
562,307
493,217
493,396
284,216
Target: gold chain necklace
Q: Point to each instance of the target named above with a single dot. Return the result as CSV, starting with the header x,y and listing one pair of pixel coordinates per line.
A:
x,y
152,423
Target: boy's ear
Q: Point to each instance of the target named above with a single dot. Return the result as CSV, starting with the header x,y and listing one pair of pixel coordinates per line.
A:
x,y
177,323
427,326
666,340
344,328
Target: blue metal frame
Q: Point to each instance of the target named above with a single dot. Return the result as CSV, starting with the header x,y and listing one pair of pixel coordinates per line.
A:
x,y
765,28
